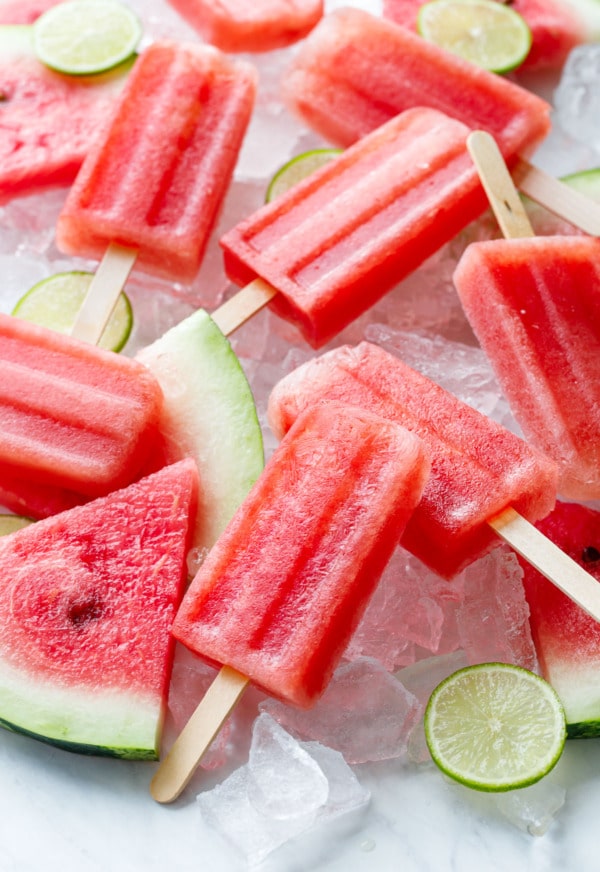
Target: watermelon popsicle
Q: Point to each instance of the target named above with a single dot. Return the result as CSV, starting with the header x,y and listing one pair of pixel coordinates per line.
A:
x,y
330,247
239,26
151,187
485,482
533,303
76,421
280,593
355,71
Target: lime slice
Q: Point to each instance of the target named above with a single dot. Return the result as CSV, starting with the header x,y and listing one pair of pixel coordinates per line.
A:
x,y
82,37
10,523
298,168
495,727
485,32
54,302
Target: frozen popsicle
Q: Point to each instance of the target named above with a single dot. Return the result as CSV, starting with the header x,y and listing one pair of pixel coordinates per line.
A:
x,y
280,593
484,479
339,240
355,71
75,421
263,25
534,305
152,185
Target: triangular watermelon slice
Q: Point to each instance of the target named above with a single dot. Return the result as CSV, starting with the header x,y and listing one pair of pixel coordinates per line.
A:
x,y
87,599
566,638
48,119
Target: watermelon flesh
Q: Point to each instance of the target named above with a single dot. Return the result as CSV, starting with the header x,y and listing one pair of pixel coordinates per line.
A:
x,y
566,638
555,28
48,119
86,605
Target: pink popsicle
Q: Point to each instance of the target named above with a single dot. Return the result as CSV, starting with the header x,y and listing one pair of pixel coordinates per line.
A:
x,y
355,71
262,25
534,305
74,419
281,591
478,467
339,240
154,182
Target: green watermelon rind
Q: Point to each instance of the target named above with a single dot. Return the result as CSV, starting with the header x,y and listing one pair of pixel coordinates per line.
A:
x,y
214,420
68,718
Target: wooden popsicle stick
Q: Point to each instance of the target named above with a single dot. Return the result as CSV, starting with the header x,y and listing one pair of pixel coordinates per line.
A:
x,y
521,535
177,768
557,197
103,293
548,559
243,305
499,186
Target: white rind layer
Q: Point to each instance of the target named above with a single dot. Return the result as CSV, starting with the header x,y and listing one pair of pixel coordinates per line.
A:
x,y
208,414
88,719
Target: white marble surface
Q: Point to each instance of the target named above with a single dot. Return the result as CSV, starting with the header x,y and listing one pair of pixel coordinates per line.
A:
x,y
60,812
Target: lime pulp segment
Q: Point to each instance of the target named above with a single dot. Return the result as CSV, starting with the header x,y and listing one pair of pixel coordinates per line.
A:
x,y
85,37
54,302
495,727
484,32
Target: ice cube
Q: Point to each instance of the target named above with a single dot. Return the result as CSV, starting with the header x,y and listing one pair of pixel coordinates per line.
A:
x,y
532,809
577,97
493,620
421,679
284,781
411,607
365,713
281,765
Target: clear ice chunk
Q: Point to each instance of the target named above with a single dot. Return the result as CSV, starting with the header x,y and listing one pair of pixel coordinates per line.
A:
x,y
577,97
532,809
281,765
284,780
365,714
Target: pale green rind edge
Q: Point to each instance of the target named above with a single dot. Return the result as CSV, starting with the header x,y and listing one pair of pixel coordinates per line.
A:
x,y
79,718
227,441
578,687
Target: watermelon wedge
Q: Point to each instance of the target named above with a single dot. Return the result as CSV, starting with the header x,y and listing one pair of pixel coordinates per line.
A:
x,y
47,119
566,638
87,599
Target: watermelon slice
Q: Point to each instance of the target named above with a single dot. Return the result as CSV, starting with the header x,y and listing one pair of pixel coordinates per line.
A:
x,y
48,119
555,27
566,638
87,599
